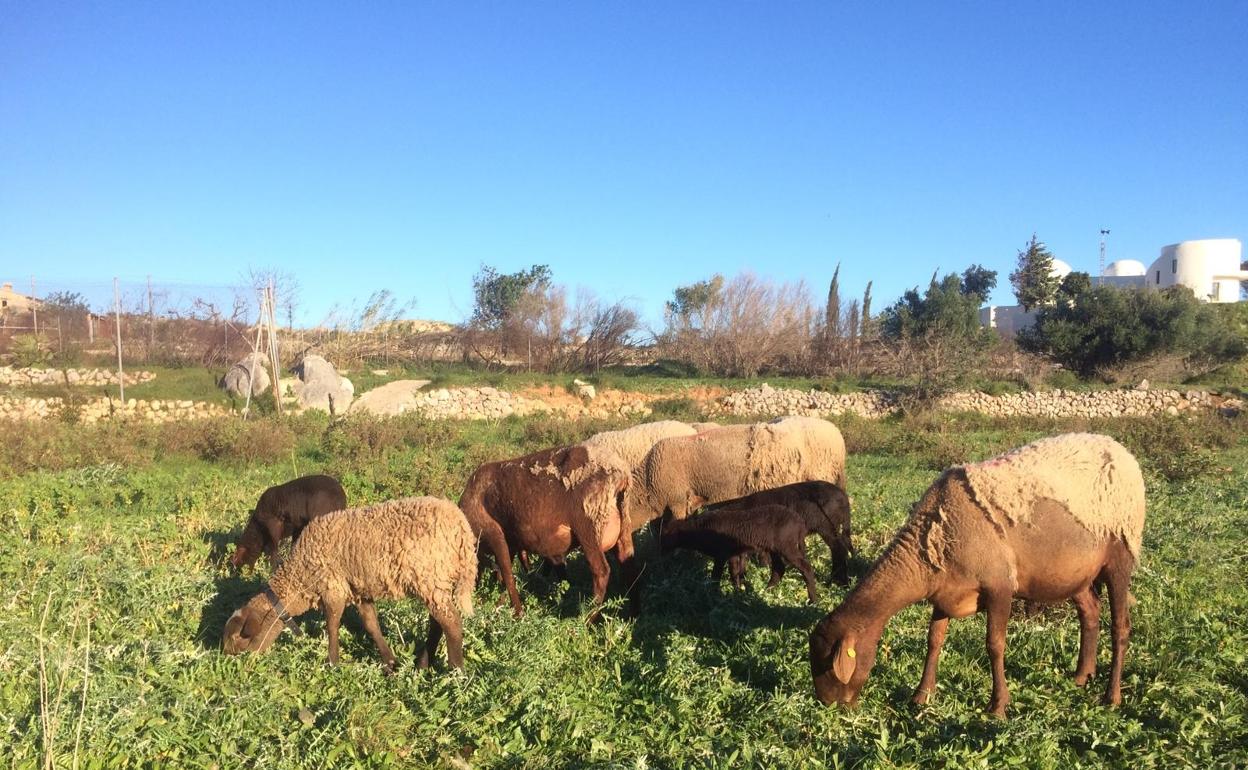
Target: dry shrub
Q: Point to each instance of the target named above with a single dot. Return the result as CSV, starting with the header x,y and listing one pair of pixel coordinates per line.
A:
x,y
744,326
366,436
1177,448
226,438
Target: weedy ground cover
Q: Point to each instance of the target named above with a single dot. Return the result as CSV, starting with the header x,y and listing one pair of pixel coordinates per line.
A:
x,y
116,593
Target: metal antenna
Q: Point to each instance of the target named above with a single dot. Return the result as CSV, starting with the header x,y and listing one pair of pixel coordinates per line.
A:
x,y
1100,277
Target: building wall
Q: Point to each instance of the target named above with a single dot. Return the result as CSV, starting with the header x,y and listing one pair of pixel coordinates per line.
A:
x,y
12,302
1210,268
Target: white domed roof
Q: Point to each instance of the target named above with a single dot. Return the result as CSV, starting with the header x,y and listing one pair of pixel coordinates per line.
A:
x,y
1060,269
1125,267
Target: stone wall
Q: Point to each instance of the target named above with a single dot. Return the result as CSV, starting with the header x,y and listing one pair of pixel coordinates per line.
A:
x,y
766,400
491,403
29,376
97,409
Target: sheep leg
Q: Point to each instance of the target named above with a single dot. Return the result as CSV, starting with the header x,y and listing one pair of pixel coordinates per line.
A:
x,y
998,608
840,558
1088,605
717,571
1120,630
601,571
493,537
524,560
333,616
628,569
274,531
936,631
444,621
431,642
797,558
777,570
368,614
736,570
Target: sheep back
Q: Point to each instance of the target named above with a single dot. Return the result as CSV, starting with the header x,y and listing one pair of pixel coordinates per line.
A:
x,y
1093,476
632,444
413,545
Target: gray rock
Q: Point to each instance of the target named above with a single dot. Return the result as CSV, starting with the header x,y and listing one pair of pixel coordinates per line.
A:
x,y
321,387
235,380
390,399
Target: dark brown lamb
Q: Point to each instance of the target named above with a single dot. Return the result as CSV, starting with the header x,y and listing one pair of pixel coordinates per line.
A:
x,y
283,511
730,537
548,502
822,505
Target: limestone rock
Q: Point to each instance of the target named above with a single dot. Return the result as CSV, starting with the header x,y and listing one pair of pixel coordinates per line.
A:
x,y
390,399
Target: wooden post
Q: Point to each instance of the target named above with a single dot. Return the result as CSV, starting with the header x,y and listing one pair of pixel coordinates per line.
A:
x,y
151,320
34,306
121,375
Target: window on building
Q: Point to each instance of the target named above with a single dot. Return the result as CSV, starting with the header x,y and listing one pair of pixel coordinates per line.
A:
x,y
1217,292
1174,266
1158,277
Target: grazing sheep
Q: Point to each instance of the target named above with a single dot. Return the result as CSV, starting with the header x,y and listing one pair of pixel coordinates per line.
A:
x,y
632,445
283,511
732,536
548,502
415,545
1051,521
823,506
703,427
682,474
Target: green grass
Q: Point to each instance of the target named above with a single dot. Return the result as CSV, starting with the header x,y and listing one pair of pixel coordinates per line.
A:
x,y
125,562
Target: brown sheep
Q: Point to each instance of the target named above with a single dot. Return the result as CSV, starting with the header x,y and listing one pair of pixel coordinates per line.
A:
x,y
822,505
548,502
418,546
1051,521
681,474
283,511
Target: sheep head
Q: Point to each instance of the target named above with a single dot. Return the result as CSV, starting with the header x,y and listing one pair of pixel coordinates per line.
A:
x,y
253,627
249,546
841,657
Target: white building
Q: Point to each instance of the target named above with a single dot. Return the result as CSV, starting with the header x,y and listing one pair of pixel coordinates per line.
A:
x,y
1210,268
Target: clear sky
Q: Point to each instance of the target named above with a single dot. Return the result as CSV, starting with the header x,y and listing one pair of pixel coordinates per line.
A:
x,y
632,146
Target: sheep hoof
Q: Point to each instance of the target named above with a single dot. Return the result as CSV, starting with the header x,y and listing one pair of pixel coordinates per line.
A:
x,y
996,710
1112,701
920,697
1082,679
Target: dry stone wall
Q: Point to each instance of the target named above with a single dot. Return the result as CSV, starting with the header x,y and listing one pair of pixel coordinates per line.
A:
x,y
766,400
97,409
18,377
486,403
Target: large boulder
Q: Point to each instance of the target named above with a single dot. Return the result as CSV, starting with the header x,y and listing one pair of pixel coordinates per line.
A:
x,y
250,368
390,399
321,387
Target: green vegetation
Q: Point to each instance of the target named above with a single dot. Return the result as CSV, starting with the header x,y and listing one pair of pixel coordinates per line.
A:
x,y
115,586
1096,328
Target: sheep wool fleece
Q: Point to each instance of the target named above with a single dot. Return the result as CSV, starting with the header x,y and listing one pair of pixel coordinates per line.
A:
x,y
413,545
1093,476
632,444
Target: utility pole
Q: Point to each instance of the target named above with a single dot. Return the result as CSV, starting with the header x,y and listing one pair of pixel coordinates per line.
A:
x,y
1100,276
34,306
121,377
151,320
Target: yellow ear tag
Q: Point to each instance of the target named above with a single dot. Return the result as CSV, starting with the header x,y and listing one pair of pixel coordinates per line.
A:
x,y
850,652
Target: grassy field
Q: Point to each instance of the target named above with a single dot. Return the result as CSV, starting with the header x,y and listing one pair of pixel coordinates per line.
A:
x,y
116,596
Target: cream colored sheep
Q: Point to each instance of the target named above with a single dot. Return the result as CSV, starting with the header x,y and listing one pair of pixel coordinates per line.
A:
x,y
1051,521
412,546
680,474
632,444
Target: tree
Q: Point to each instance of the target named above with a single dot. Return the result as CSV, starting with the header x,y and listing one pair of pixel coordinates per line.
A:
x,y
496,296
832,313
949,308
979,281
1073,285
1105,327
866,313
690,303
1033,280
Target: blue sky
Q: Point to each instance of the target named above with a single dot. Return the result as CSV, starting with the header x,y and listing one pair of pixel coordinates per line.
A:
x,y
632,146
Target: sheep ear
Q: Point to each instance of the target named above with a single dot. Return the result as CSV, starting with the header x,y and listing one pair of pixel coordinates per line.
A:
x,y
846,659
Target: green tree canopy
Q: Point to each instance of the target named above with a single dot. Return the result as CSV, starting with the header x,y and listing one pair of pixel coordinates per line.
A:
x,y
690,302
949,307
496,296
1105,326
1033,280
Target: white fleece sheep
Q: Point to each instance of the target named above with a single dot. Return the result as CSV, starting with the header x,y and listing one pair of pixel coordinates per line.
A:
x,y
632,444
419,546
1093,476
680,474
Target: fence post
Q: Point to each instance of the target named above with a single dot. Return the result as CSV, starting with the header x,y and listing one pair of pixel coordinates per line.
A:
x,y
121,376
34,306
